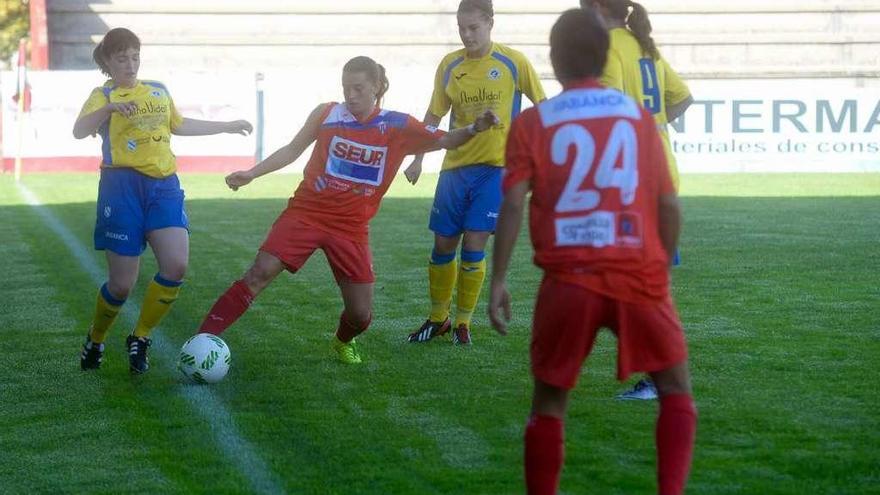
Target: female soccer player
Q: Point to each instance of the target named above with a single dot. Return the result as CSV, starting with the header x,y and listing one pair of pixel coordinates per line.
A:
x,y
482,75
604,221
139,196
635,67
358,152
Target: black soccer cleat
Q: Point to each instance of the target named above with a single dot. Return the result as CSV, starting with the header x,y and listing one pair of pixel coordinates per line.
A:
x,y
461,335
92,355
138,362
429,330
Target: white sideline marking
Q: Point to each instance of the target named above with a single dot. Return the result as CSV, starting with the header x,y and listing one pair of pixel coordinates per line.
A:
x,y
237,450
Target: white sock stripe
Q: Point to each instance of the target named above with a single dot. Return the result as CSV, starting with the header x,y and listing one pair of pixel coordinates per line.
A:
x,y
239,452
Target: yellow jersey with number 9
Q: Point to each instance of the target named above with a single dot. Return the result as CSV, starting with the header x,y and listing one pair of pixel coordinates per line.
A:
x,y
141,141
649,81
470,86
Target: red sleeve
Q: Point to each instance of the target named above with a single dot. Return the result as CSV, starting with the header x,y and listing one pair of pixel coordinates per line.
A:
x,y
416,137
519,163
654,155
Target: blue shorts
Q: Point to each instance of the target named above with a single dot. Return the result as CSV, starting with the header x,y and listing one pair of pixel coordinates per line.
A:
x,y
130,205
467,198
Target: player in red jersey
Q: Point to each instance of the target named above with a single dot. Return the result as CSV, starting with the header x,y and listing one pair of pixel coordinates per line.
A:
x,y
358,150
604,222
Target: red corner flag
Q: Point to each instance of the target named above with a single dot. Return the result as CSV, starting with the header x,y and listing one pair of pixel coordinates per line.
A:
x,y
22,88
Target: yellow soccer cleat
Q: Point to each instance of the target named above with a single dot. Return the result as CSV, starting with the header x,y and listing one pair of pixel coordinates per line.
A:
x,y
346,351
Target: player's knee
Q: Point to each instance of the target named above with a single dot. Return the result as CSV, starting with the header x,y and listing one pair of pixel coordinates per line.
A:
x,y
359,317
258,276
120,288
475,241
549,400
445,245
174,271
675,380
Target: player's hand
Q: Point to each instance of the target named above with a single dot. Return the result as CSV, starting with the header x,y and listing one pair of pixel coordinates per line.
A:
x,y
239,179
485,121
413,172
126,108
499,307
242,127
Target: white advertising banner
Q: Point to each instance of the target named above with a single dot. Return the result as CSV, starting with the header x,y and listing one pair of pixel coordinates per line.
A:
x,y
45,135
779,126
733,125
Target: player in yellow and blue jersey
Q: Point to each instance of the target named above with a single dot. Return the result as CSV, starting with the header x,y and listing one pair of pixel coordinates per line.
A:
x,y
481,76
140,200
636,68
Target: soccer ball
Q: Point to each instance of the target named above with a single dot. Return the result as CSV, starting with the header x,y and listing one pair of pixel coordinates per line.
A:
x,y
204,358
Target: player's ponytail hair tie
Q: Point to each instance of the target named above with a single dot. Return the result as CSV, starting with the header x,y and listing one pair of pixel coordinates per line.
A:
x,y
640,26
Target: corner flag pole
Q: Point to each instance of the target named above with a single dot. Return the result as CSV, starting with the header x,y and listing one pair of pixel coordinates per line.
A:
x,y
260,117
22,90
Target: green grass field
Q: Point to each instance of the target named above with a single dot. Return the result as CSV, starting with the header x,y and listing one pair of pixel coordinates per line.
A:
x,y
779,295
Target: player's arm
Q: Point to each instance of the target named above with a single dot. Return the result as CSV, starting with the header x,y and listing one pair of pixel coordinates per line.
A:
x,y
283,156
668,207
437,108
669,213
195,127
455,138
517,182
506,232
87,123
677,95
674,111
414,170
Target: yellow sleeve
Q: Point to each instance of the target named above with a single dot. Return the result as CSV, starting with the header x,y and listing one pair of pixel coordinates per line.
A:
x,y
176,118
440,102
94,103
529,82
676,90
612,74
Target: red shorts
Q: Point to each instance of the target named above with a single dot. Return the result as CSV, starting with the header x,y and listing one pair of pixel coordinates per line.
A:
x,y
568,317
292,241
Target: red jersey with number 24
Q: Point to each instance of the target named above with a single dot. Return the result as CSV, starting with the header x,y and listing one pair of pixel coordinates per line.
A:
x,y
352,165
596,167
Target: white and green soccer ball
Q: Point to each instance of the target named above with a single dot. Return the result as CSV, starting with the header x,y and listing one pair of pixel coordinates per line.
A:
x,y
204,358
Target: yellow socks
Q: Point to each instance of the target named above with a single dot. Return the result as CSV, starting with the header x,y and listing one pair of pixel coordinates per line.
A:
x,y
442,272
160,295
470,282
106,309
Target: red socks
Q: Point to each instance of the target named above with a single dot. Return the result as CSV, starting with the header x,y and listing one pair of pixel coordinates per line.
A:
x,y
544,454
348,330
228,308
676,429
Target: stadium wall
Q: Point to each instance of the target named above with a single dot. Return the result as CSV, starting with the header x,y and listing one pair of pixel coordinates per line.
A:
x,y
828,125
780,85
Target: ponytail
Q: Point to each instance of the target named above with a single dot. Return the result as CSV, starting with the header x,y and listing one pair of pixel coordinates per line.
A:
x,y
374,71
640,26
98,57
634,16
382,83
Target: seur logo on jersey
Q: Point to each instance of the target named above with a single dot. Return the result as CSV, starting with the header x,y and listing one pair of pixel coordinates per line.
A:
x,y
356,162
